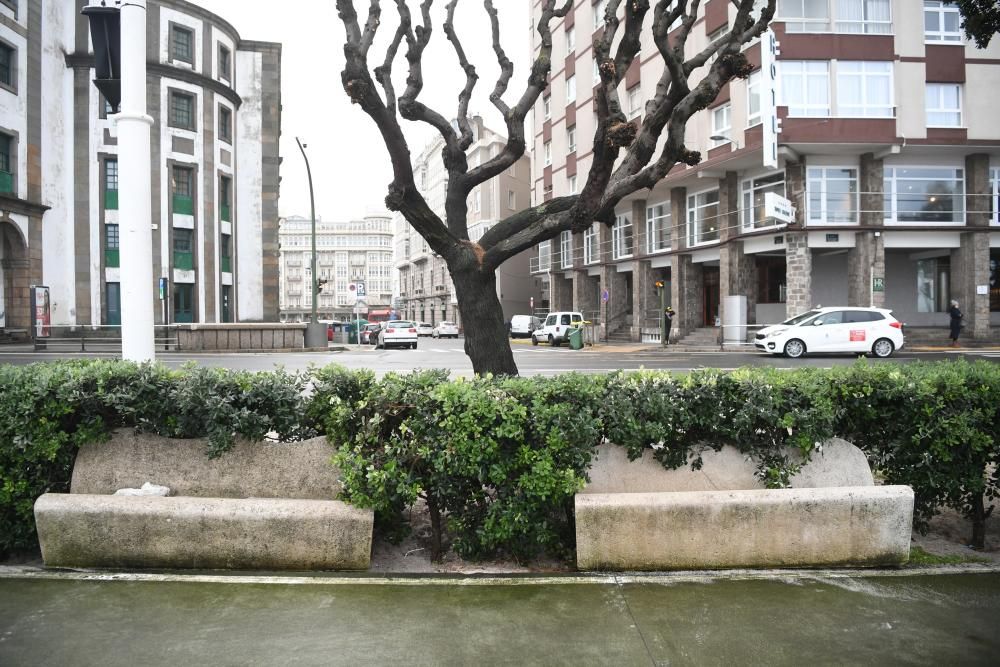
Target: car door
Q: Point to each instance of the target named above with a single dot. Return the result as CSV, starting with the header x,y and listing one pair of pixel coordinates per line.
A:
x,y
861,326
549,328
825,332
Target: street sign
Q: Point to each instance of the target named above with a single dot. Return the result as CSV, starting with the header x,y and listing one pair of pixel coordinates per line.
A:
x,y
604,295
163,289
361,289
777,207
878,284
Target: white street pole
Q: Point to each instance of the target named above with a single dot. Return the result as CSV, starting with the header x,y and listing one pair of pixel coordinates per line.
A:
x,y
134,169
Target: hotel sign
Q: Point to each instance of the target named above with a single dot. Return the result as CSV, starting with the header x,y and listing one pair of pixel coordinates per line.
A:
x,y
769,97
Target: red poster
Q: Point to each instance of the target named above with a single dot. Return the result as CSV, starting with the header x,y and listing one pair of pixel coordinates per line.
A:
x,y
857,335
43,315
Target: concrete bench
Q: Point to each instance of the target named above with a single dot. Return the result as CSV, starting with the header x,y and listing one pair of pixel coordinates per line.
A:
x,y
259,506
640,516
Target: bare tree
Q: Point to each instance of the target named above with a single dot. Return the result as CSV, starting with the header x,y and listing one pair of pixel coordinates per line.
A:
x,y
627,156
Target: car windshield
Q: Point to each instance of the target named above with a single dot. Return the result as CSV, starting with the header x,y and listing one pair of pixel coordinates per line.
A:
x,y
801,318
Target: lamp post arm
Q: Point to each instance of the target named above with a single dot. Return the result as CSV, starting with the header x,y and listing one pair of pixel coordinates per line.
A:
x,y
312,210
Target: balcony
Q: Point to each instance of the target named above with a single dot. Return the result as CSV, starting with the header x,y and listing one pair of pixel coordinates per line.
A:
x,y
110,200
225,213
226,264
6,182
111,258
183,260
183,205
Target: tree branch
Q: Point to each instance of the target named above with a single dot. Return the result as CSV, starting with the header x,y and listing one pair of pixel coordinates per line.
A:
x,y
527,228
470,79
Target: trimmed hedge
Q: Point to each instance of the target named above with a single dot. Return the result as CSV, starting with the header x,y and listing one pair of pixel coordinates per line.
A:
x,y
498,460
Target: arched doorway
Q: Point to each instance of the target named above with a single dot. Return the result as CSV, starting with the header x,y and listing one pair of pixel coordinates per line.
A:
x,y
14,278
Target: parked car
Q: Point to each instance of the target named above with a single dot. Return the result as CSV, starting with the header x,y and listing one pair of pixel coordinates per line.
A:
x,y
397,333
424,329
834,329
367,337
445,330
522,326
556,328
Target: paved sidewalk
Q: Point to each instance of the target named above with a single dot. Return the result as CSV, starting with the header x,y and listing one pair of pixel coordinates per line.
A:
x,y
793,618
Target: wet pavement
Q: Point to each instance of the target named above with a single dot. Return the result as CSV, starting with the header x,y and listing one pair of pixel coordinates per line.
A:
x,y
783,619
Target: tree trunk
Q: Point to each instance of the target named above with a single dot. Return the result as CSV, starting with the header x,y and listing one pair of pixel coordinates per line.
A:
x,y
436,540
979,516
486,338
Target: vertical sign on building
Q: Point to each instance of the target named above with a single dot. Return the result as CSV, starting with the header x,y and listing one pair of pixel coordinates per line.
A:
x,y
769,97
41,313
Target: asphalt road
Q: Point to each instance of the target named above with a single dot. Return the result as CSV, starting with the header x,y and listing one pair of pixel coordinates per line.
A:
x,y
541,360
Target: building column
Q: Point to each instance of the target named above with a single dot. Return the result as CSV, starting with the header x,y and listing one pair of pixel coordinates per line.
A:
x,y
970,263
642,281
736,270
686,280
798,257
866,260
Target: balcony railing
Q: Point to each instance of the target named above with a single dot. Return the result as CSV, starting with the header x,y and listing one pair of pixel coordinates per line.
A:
x,y
183,260
226,214
183,205
6,182
111,258
227,264
110,200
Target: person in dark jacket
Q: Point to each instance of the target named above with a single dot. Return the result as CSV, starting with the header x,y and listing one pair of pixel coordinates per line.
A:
x,y
668,318
956,322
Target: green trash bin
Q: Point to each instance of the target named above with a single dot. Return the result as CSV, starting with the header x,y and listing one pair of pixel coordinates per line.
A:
x,y
576,338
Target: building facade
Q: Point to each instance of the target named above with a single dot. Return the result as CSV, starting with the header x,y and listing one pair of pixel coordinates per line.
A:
x,y
425,290
216,106
346,253
888,147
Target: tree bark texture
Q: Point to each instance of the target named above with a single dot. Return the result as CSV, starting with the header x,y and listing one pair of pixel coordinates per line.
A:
x,y
486,340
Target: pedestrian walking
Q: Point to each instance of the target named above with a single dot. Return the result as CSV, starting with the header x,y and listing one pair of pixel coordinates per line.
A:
x,y
668,319
956,322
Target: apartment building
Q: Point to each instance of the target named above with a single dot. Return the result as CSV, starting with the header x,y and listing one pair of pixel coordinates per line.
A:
x,y
346,253
887,144
425,289
216,106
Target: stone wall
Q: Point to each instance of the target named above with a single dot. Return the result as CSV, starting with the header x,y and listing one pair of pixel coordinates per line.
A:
x,y
217,337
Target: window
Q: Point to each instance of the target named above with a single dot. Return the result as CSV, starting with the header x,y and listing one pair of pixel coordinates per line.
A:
x,y
864,89
111,184
566,249
111,246
512,172
722,124
224,63
571,89
548,153
477,201
545,255
225,253
621,238
6,168
600,9
181,44
805,87
752,207
8,67
182,182
571,185
804,15
870,17
924,195
703,218
634,101
942,22
225,124
657,228
511,200
106,109
547,108
944,105
591,244
597,72
183,249
571,139
832,195
753,99
113,299
226,198
570,40
995,198
182,111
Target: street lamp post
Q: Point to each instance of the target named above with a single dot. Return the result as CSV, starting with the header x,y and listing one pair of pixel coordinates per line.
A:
x,y
315,332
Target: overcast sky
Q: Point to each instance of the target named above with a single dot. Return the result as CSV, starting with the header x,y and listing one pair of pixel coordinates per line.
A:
x,y
349,163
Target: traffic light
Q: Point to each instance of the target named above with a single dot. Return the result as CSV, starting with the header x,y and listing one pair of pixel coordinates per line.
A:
x,y
659,284
105,32
320,284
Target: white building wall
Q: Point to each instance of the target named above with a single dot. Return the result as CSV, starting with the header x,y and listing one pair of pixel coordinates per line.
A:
x,y
249,202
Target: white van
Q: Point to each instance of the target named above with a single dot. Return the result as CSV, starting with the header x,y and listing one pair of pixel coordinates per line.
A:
x,y
556,328
521,326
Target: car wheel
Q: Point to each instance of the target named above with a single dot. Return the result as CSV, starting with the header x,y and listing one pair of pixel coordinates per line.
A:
x,y
795,348
414,346
883,348
534,341
552,341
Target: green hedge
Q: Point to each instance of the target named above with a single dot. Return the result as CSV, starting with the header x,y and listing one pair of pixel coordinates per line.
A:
x,y
47,411
498,460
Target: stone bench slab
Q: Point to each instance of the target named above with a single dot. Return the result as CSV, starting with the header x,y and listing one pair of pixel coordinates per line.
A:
x,y
810,527
82,530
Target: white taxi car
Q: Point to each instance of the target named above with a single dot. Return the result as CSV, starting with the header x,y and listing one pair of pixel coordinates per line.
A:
x,y
445,330
834,329
397,333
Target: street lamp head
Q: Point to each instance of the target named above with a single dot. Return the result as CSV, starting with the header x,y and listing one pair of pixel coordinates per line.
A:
x,y
105,33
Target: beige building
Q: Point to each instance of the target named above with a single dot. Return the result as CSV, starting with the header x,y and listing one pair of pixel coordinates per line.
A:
x,y
425,291
888,148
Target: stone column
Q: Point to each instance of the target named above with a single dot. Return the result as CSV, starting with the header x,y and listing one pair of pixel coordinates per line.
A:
x,y
970,263
737,272
798,273
866,260
682,271
642,283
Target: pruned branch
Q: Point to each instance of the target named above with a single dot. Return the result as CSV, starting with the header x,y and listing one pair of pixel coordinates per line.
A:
x,y
470,79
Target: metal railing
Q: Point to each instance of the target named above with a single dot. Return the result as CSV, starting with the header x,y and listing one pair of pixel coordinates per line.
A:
x,y
744,338
103,338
